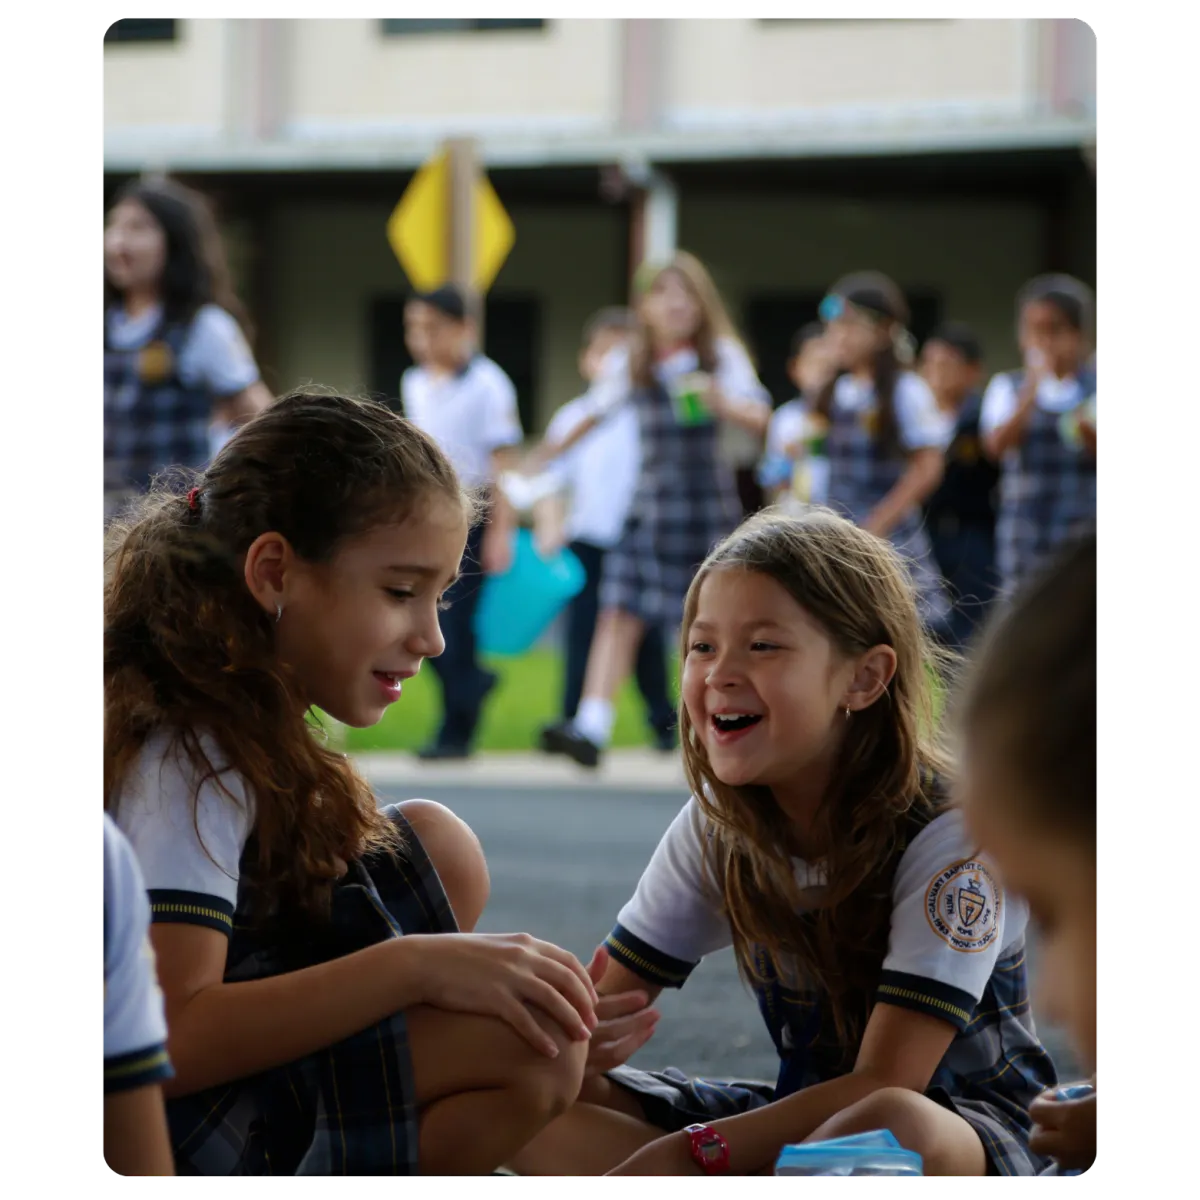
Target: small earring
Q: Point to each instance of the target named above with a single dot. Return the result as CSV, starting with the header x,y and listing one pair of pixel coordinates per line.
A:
x,y
279,613
847,712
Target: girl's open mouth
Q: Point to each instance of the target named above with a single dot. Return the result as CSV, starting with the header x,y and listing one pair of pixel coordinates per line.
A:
x,y
729,727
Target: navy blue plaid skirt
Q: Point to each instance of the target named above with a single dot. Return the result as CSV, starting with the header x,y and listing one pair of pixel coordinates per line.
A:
x,y
347,1110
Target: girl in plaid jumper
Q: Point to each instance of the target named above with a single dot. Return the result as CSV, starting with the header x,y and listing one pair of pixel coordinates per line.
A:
x,y
1039,424
685,374
887,961
309,1030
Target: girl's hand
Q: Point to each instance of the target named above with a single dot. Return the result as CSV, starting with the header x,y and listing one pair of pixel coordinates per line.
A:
x,y
500,974
624,1023
1064,1130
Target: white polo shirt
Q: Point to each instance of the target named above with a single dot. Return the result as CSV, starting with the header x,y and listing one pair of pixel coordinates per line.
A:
x,y
135,1029
951,921
470,414
600,471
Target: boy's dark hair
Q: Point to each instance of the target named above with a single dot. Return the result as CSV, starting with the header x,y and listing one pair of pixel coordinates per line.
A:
x,y
614,319
961,338
1070,296
448,300
189,651
802,336
1034,688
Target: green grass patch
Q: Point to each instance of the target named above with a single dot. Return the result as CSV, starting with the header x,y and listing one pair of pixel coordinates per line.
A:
x,y
527,696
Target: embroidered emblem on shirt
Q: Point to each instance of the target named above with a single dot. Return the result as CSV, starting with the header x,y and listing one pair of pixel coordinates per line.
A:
x,y
963,907
155,363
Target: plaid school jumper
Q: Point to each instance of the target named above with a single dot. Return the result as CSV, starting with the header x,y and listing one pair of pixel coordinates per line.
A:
x,y
992,1071
152,420
685,502
347,1110
860,475
1047,494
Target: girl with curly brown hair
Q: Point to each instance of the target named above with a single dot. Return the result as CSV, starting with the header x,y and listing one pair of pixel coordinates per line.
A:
x,y
325,1013
886,960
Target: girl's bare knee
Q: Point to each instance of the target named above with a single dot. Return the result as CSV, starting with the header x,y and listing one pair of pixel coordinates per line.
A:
x,y
456,855
887,1108
551,1085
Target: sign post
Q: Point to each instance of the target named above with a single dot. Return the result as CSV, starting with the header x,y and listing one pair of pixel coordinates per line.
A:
x,y
449,226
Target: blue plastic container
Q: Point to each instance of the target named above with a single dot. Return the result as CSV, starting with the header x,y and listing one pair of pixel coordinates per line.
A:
x,y
875,1153
516,608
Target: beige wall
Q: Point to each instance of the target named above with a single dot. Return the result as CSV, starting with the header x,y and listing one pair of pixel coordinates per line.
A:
x,y
789,65
178,83
302,84
566,70
329,261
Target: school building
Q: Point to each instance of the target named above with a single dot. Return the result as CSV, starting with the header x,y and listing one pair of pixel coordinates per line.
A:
x,y
956,155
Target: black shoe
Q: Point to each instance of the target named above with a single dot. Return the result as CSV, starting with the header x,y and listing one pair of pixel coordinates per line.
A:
x,y
443,751
547,741
665,741
562,739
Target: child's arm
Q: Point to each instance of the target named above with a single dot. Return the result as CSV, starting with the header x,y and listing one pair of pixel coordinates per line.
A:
x,y
1065,1130
626,1022
899,1049
1011,432
549,525
136,1139
924,432
925,470
496,552
224,1031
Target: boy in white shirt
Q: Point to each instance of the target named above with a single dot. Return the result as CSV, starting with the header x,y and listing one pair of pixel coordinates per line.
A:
x,y
468,405
596,479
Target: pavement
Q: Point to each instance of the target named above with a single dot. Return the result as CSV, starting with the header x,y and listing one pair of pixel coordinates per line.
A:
x,y
565,849
640,770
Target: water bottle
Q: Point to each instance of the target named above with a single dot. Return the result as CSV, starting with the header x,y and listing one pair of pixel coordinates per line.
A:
x,y
875,1153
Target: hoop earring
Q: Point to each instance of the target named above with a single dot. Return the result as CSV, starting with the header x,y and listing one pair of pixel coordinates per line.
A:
x,y
279,613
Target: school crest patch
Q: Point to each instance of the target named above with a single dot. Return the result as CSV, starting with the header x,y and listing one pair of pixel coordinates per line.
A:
x,y
963,906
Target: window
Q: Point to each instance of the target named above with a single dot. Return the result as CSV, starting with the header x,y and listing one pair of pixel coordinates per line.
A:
x,y
770,322
512,337
141,31
392,26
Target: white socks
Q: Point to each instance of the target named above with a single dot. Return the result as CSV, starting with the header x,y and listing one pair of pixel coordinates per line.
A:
x,y
594,719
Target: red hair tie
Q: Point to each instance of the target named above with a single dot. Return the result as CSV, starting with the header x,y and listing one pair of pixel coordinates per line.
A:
x,y
194,499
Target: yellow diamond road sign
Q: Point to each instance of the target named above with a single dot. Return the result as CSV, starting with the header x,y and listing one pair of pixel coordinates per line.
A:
x,y
418,229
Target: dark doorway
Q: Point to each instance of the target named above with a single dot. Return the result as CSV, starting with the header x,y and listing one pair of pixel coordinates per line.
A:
x,y
512,337
770,321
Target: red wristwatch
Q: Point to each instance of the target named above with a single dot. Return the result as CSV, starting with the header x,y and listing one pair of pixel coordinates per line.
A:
x,y
710,1150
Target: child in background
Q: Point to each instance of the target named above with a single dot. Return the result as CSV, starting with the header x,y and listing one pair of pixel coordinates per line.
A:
x,y
685,373
468,405
136,1141
961,514
795,469
309,1031
887,962
1029,794
886,433
1039,424
599,474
